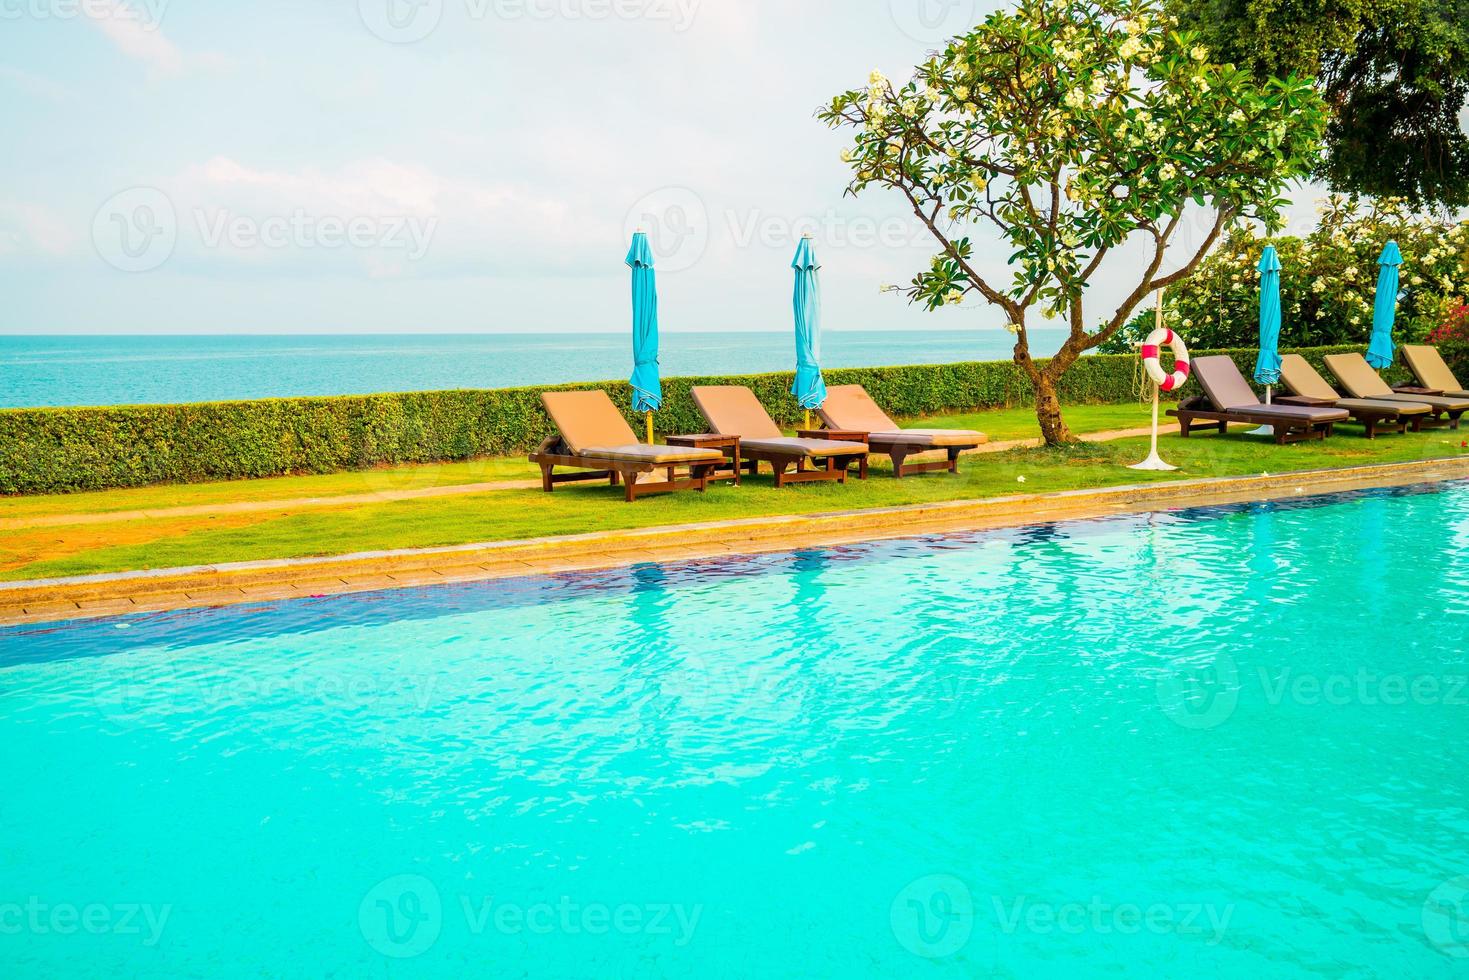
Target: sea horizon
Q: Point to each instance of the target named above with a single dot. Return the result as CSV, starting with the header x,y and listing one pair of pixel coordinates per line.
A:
x,y
67,369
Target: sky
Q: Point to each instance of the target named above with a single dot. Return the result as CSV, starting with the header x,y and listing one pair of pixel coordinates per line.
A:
x,y
279,166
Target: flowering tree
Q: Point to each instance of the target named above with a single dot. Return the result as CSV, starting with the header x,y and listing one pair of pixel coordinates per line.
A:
x,y
1328,279
1072,126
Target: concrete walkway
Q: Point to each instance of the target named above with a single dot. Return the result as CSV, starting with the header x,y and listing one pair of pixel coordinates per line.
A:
x,y
388,496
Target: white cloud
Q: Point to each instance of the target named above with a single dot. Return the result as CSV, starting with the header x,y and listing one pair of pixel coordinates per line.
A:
x,y
35,85
31,229
136,33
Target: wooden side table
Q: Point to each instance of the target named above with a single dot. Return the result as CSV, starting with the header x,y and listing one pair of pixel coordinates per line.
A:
x,y
729,445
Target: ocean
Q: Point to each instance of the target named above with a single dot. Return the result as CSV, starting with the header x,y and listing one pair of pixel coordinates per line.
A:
x,y
115,370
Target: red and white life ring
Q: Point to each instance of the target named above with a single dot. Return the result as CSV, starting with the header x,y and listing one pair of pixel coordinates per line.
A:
x,y
1160,338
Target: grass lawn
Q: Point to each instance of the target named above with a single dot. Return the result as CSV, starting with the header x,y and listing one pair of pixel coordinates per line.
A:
x,y
512,514
1001,426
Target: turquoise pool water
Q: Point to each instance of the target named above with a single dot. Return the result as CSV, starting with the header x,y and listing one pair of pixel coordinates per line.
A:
x,y
1215,743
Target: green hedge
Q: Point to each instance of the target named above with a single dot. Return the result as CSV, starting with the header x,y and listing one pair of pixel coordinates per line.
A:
x,y
57,450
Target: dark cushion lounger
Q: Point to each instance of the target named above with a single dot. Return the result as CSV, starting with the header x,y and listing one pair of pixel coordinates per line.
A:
x,y
1228,398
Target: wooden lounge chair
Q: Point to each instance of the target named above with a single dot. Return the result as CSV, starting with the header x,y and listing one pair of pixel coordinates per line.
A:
x,y
1308,387
850,414
733,410
1358,378
1228,398
594,436
1432,371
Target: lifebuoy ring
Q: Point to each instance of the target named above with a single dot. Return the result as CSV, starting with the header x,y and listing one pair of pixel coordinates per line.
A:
x,y
1156,340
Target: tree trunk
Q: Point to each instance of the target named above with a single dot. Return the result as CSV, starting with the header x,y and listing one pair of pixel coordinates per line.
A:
x,y
1048,412
1047,402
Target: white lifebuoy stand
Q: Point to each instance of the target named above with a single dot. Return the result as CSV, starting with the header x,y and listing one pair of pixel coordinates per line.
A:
x,y
1151,349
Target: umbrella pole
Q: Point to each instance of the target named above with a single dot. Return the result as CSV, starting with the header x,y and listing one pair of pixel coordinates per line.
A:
x,y
1265,430
650,428
808,419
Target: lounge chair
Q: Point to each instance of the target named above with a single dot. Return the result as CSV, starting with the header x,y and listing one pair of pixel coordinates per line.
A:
x,y
594,436
1308,387
1358,378
1228,398
1432,371
850,414
733,410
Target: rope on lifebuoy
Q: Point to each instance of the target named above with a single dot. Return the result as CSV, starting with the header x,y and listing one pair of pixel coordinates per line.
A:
x,y
1152,348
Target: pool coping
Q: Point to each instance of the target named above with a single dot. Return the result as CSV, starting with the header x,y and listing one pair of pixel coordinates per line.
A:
x,y
38,601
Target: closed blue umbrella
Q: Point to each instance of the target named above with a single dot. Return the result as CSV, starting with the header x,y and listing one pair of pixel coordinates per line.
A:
x,y
1267,364
1380,352
809,388
647,388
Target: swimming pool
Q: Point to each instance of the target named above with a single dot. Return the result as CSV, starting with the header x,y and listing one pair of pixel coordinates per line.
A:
x,y
1220,742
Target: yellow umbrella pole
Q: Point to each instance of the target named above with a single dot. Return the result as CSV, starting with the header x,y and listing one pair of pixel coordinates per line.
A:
x,y
808,418
650,428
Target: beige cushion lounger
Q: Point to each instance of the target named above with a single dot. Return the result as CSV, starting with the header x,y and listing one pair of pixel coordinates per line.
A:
x,y
1301,379
733,410
1432,371
850,409
1357,377
595,436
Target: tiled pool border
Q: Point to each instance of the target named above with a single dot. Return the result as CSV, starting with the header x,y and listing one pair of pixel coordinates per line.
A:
x,y
83,597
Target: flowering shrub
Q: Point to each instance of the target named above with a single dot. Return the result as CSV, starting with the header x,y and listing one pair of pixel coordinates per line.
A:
x,y
1328,280
1452,340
